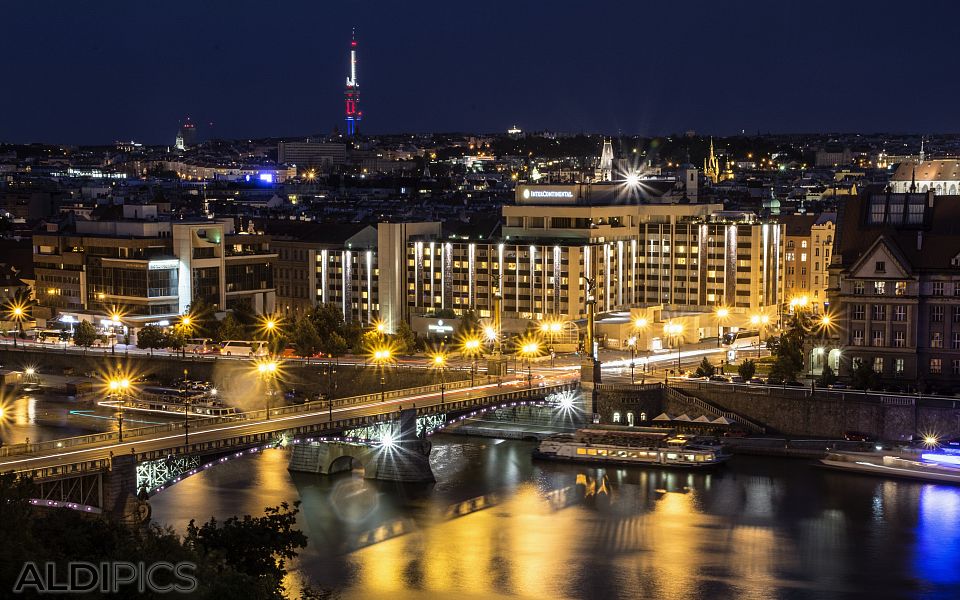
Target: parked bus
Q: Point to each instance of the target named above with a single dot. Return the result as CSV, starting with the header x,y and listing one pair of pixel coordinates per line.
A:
x,y
243,348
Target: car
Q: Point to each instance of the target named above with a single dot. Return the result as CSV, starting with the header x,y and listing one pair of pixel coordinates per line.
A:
x,y
856,436
736,379
837,386
756,381
719,379
793,384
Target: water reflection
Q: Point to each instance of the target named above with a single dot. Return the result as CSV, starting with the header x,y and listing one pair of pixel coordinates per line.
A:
x,y
497,524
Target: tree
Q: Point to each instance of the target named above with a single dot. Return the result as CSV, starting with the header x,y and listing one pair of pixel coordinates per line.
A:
x,y
469,324
151,337
175,338
747,369
788,350
705,369
404,339
84,334
306,340
257,546
864,377
827,376
334,345
230,329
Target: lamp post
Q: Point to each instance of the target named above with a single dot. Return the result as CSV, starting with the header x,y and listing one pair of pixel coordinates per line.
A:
x,y
632,342
267,370
721,314
186,326
118,388
640,325
18,312
471,347
439,362
529,350
675,331
760,322
380,357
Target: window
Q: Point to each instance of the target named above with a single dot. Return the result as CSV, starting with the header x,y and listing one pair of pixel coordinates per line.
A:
x,y
956,367
879,312
858,312
616,417
880,267
956,288
791,256
857,337
956,341
803,244
803,257
878,337
879,287
899,339
915,211
936,313
877,210
901,288
900,313
937,288
878,364
936,340
858,288
956,314
935,366
898,366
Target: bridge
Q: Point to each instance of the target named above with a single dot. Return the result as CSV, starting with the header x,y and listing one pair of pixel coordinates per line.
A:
x,y
99,473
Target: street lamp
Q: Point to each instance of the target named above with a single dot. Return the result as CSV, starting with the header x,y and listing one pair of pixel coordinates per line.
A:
x,y
759,321
675,331
118,387
529,349
382,356
640,325
632,342
471,347
267,369
18,312
439,362
721,314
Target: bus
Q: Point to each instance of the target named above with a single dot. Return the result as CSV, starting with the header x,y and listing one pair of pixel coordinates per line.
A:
x,y
243,348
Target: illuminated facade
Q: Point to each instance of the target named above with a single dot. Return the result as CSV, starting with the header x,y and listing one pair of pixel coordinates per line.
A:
x,y
152,268
941,176
895,290
809,244
351,93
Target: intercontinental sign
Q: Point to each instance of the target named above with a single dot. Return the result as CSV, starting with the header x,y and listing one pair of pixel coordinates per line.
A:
x,y
528,193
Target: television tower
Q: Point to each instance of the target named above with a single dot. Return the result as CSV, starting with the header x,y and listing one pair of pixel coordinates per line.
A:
x,y
351,93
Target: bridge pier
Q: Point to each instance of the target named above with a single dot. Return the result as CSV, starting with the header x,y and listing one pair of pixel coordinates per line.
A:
x,y
404,458
120,488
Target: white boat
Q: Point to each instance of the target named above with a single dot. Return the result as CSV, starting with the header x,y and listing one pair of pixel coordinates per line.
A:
x,y
927,466
623,446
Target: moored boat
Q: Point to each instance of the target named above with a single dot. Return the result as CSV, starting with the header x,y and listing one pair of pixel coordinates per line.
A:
x,y
927,466
629,446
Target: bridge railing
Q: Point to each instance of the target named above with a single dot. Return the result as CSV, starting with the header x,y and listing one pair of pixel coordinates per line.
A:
x,y
197,423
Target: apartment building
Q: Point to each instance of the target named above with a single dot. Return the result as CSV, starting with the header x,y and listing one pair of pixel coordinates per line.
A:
x,y
895,289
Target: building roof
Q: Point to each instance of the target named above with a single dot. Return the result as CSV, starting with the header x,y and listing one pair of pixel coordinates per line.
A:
x,y
798,225
928,170
930,245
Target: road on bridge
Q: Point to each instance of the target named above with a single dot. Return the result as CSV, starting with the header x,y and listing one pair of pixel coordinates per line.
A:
x,y
200,434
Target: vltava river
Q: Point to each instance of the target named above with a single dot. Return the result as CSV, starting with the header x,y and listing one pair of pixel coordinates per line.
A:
x,y
498,525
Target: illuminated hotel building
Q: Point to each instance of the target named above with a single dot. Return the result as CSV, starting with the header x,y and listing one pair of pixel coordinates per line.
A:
x,y
687,257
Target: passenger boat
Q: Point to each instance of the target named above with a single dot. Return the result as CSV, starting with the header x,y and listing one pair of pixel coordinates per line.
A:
x,y
935,465
194,404
626,446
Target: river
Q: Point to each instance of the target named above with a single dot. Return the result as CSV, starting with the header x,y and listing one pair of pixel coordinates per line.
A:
x,y
496,524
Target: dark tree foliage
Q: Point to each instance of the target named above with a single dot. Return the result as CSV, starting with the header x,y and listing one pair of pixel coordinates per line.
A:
x,y
239,558
84,334
747,369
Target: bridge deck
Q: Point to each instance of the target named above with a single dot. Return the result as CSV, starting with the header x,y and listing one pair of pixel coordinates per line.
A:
x,y
59,460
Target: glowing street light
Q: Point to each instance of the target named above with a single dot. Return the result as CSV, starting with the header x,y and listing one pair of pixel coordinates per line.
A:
x,y
471,348
381,356
18,312
118,387
759,321
529,349
267,369
722,314
675,331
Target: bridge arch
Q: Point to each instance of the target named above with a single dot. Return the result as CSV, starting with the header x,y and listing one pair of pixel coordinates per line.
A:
x,y
345,464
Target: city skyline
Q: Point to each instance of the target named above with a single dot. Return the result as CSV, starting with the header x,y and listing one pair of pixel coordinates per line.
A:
x,y
744,70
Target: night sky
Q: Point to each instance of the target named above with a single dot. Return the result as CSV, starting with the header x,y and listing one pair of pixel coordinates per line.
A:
x,y
94,72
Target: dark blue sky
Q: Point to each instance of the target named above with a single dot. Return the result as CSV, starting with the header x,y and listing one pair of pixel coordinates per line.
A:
x,y
93,72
